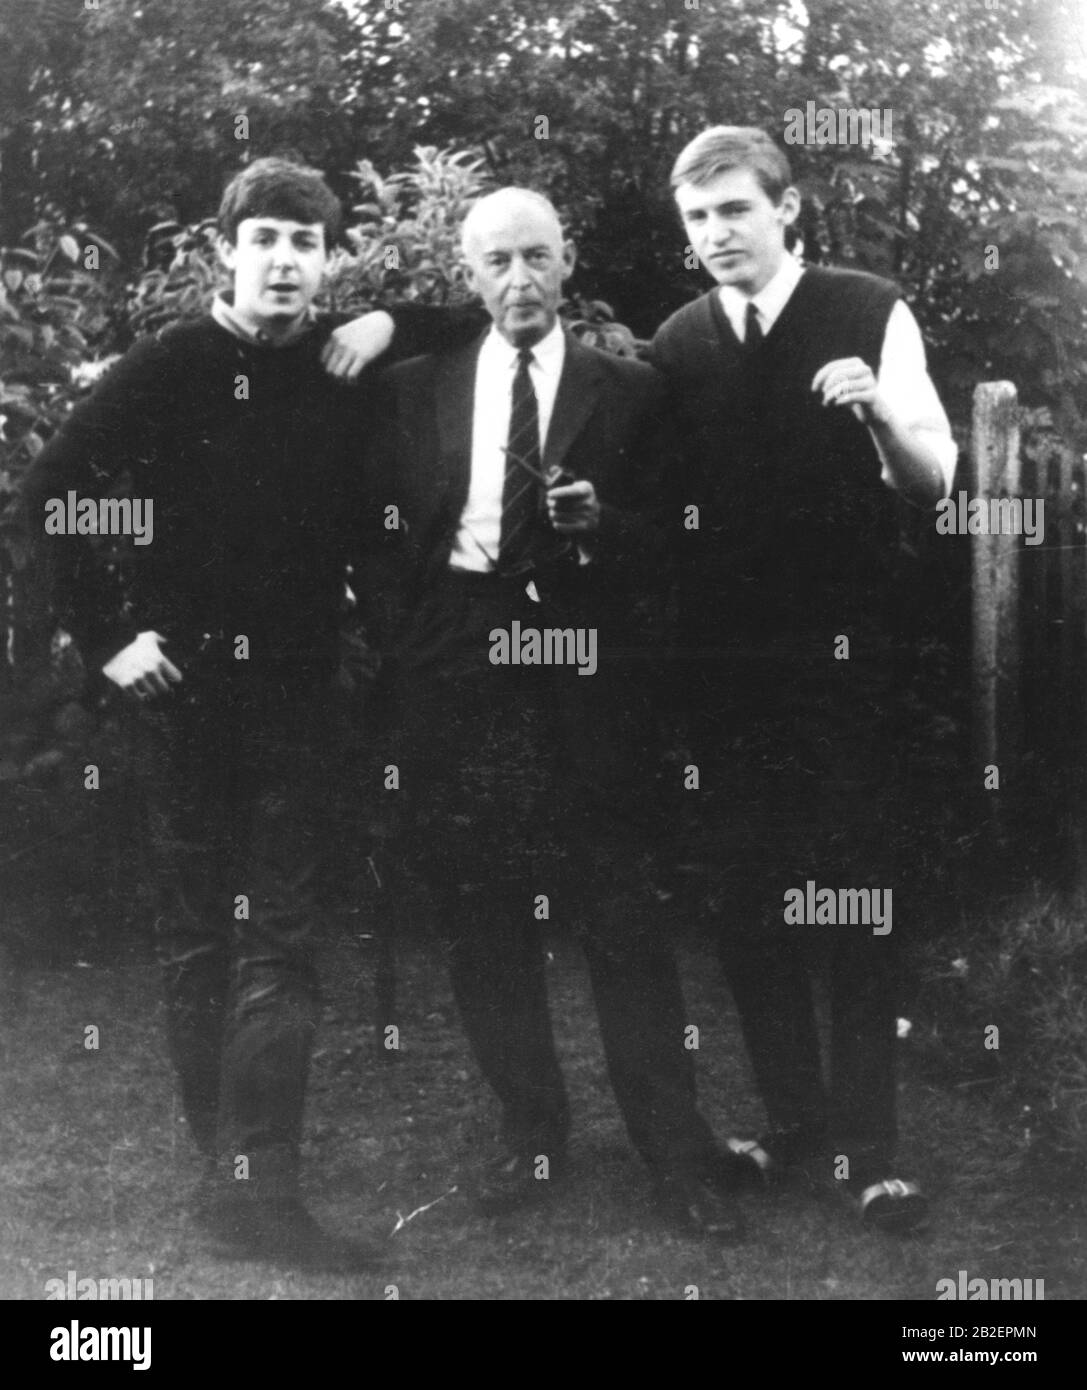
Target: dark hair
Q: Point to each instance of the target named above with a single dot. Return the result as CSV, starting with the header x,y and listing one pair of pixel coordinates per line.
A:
x,y
725,147
275,187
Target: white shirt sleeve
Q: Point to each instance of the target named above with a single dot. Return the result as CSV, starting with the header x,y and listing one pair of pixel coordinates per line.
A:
x,y
908,389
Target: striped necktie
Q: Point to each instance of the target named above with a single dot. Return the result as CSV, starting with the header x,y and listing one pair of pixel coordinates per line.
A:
x,y
522,486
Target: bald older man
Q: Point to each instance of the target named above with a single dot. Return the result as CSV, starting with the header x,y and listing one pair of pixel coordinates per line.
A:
x,y
522,468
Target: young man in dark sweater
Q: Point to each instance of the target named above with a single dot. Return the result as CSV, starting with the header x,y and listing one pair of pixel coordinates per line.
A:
x,y
803,405
245,454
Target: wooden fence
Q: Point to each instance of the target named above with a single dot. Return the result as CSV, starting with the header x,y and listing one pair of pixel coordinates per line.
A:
x,y
1029,658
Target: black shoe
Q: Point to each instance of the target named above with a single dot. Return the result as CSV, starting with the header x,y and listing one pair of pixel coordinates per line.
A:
x,y
887,1204
280,1233
756,1164
697,1208
517,1179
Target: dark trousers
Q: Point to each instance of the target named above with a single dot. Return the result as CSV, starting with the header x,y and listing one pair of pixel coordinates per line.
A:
x,y
528,781
797,758
239,780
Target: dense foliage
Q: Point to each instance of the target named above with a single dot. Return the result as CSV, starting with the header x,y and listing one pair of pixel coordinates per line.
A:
x,y
125,112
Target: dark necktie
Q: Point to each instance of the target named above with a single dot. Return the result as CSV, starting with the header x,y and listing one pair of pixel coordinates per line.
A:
x,y
522,484
752,329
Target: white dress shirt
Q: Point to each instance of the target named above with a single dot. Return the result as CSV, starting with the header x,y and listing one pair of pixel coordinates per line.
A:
x,y
903,374
477,540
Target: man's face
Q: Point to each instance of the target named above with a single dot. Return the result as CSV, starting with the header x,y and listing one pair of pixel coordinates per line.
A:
x,y
736,231
277,267
518,262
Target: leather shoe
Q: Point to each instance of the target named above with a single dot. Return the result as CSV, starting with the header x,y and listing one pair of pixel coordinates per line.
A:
x,y
695,1207
889,1204
516,1179
756,1164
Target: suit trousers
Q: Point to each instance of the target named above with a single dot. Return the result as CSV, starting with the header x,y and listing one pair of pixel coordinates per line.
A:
x,y
527,782
239,775
797,756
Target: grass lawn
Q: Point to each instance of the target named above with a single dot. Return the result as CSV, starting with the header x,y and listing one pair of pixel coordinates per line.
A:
x,y
96,1166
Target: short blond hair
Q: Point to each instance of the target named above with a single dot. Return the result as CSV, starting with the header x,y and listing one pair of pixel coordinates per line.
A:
x,y
725,147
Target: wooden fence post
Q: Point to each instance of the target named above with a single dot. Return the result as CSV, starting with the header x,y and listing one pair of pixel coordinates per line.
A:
x,y
994,458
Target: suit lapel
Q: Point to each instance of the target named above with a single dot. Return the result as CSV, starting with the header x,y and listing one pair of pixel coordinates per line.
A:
x,y
579,387
454,402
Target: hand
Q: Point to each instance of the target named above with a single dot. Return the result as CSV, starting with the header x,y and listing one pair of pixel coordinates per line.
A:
x,y
356,344
850,381
140,669
573,509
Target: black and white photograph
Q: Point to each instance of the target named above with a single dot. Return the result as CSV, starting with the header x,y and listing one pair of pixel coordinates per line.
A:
x,y
543,750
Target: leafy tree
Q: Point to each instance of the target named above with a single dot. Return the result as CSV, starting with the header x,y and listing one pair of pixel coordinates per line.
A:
x,y
126,114
593,101
135,110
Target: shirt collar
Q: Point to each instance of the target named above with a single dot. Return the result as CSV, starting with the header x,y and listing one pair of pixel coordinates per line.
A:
x,y
769,301
548,353
222,311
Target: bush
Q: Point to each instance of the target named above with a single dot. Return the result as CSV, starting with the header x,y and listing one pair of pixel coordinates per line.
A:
x,y
403,245
54,317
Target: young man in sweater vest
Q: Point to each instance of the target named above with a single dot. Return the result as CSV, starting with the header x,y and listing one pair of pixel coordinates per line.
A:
x,y
248,452
803,405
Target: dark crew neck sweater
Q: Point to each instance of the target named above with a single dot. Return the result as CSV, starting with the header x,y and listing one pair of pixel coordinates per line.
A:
x,y
254,459
796,527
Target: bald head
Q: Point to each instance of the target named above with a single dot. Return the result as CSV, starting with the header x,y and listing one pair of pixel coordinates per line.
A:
x,y
517,261
500,208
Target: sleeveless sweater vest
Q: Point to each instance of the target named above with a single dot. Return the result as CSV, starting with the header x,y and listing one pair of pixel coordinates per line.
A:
x,y
797,532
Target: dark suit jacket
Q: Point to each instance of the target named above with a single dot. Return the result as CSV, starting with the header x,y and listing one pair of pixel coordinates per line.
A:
x,y
609,425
